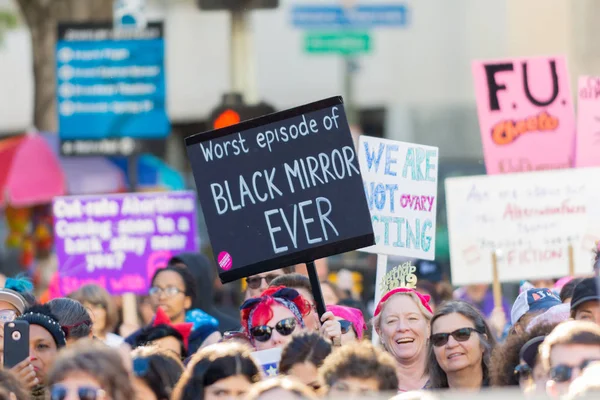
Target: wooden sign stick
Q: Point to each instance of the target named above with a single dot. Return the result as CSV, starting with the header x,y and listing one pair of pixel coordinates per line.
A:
x,y
571,260
496,281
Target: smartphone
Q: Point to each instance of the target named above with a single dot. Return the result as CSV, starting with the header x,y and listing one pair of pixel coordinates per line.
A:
x,y
16,343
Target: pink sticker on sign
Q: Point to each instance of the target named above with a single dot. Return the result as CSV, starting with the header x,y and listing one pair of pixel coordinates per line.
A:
x,y
225,261
588,122
526,115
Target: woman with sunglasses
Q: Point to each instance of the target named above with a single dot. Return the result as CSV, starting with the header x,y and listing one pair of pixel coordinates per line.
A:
x,y
90,370
173,289
460,348
270,320
351,321
46,338
401,320
223,370
156,372
303,357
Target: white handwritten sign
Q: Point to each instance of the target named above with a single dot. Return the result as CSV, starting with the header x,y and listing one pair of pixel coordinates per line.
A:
x,y
400,182
529,217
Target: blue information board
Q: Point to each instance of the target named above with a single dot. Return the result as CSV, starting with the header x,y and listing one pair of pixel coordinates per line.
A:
x,y
111,83
357,17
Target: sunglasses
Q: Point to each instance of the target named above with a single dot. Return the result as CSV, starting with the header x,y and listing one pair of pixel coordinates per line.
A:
x,y
255,281
460,335
60,392
346,326
564,373
263,333
523,371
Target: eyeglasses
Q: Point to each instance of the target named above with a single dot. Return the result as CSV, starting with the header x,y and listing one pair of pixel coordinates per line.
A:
x,y
60,392
7,316
263,333
523,371
460,335
346,325
564,373
255,281
168,291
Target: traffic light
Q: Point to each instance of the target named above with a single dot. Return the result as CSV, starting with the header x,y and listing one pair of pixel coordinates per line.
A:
x,y
214,5
233,110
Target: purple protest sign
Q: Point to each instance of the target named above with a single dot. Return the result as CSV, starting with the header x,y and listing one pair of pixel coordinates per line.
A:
x,y
118,241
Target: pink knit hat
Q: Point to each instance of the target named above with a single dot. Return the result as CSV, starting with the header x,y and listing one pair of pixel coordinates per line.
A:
x,y
353,315
422,301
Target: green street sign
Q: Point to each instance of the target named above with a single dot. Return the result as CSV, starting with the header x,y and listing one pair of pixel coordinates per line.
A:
x,y
337,42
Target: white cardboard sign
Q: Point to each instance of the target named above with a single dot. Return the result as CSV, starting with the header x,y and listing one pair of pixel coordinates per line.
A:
x,y
400,182
529,218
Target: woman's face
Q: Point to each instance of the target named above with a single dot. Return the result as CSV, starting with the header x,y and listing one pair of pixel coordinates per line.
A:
x,y
306,373
42,350
403,329
98,314
456,356
171,295
350,335
277,339
142,390
76,382
232,387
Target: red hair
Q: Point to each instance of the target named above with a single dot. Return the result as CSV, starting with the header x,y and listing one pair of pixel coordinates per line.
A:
x,y
263,311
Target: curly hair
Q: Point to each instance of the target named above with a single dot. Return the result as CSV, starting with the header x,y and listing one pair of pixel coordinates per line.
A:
x,y
437,376
98,360
506,356
262,311
212,364
305,347
361,360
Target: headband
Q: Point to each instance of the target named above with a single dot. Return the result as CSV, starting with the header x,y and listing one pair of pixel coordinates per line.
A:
x,y
48,323
421,299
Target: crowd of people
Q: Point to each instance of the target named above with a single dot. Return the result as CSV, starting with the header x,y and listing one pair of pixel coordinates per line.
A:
x,y
189,349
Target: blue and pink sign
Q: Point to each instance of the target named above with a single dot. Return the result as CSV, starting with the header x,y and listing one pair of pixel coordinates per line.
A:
x,y
118,241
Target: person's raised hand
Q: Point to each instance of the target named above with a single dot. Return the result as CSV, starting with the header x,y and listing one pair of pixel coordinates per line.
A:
x,y
331,328
497,321
26,374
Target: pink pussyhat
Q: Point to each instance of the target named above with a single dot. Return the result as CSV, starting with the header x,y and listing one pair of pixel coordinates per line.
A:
x,y
562,282
353,315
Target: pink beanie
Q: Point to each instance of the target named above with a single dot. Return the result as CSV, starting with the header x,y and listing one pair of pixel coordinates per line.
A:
x,y
353,315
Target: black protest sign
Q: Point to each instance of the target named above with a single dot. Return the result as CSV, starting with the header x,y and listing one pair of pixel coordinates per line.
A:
x,y
280,190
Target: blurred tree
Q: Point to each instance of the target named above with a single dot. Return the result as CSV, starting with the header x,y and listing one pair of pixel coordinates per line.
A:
x,y
8,20
42,17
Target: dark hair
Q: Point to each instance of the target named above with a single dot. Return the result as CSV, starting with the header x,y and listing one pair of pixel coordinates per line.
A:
x,y
361,360
97,360
98,296
429,288
293,280
149,334
188,279
11,383
212,364
158,369
305,347
437,376
506,356
567,290
72,316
